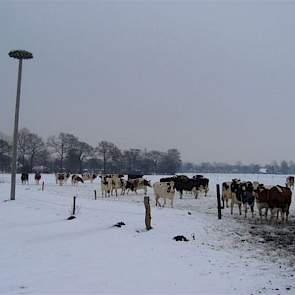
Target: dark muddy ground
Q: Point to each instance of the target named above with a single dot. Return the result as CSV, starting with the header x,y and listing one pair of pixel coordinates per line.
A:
x,y
278,238
271,243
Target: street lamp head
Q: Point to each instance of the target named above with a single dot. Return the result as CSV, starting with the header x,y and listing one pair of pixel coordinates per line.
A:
x,y
20,54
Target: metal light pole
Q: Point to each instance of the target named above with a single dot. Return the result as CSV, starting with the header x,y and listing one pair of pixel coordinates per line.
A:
x,y
20,55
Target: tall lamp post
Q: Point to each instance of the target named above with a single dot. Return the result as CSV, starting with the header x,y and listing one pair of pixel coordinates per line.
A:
x,y
20,55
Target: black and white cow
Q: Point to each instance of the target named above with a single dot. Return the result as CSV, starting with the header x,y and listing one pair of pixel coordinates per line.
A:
x,y
185,184
106,185
117,182
226,190
203,185
165,190
76,179
137,184
242,194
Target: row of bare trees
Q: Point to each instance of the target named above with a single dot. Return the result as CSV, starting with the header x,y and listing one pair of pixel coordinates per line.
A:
x,y
65,152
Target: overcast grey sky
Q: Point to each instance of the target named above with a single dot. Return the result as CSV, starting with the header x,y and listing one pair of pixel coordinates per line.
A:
x,y
214,79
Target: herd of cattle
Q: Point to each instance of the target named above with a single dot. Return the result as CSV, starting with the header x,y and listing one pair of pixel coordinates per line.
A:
x,y
276,199
112,183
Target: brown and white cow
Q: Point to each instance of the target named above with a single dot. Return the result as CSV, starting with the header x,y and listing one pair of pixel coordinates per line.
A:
x,y
165,190
277,199
61,177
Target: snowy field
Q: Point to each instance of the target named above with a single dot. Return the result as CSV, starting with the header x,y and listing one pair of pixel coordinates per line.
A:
x,y
43,253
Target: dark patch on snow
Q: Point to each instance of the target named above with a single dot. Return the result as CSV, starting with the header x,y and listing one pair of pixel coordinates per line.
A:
x,y
277,239
71,217
180,238
119,224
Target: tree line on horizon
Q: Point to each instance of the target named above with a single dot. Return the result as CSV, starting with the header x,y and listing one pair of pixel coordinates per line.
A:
x,y
65,152
274,167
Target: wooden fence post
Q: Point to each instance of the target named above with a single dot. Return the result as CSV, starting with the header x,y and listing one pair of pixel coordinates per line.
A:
x,y
218,201
147,213
95,194
74,205
74,210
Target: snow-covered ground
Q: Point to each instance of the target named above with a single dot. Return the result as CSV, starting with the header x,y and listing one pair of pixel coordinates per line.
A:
x,y
43,253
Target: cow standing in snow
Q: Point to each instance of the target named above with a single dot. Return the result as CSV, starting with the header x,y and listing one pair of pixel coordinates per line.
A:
x,y
61,177
138,184
76,179
106,185
165,190
24,178
118,183
276,198
226,192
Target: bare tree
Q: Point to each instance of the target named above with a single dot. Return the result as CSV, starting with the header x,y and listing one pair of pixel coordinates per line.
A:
x,y
60,145
155,157
170,162
35,146
132,158
84,150
23,141
5,159
56,146
4,147
108,151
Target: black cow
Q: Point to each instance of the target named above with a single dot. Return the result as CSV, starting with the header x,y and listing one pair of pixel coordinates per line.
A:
x,y
24,178
189,185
